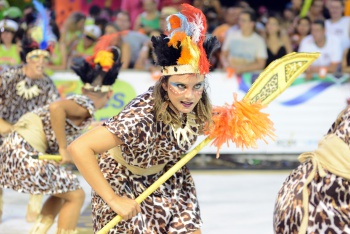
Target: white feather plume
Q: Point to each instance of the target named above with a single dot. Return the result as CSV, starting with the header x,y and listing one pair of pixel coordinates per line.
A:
x,y
197,27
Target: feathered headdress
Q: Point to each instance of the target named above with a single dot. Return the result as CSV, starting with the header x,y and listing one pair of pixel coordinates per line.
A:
x,y
40,37
186,49
99,71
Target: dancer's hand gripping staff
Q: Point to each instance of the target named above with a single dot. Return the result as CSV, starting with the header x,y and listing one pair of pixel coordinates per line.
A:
x,y
241,122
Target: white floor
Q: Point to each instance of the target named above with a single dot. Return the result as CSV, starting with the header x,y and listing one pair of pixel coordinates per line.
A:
x,y
232,202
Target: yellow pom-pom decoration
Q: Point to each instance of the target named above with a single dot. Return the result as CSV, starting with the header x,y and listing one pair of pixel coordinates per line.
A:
x,y
37,34
105,59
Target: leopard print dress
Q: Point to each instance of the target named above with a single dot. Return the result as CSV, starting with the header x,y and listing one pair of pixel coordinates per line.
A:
x,y
20,172
14,103
173,208
329,198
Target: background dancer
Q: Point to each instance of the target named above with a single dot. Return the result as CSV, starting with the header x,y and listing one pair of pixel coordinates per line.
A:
x,y
24,88
315,196
49,130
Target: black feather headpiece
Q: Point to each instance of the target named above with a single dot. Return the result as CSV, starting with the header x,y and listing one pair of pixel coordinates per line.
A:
x,y
185,50
100,71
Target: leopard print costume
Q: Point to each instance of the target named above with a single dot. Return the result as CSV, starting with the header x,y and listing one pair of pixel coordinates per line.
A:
x,y
329,198
173,208
20,172
13,105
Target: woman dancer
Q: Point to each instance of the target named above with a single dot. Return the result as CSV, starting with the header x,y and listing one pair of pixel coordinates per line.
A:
x,y
149,136
48,130
315,196
24,88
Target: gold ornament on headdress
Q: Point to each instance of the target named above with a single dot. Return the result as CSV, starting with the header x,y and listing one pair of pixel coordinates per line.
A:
x,y
178,70
98,88
27,93
38,52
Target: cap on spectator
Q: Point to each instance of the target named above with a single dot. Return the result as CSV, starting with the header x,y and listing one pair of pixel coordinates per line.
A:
x,y
4,3
13,12
92,31
8,25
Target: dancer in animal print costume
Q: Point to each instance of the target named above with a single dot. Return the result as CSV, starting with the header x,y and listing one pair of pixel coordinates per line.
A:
x,y
22,89
148,137
315,197
49,130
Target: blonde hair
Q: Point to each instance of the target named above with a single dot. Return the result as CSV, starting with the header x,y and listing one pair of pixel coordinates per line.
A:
x,y
167,113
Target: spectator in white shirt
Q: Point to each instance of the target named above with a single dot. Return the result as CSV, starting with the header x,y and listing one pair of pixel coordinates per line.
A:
x,y
244,50
338,25
329,47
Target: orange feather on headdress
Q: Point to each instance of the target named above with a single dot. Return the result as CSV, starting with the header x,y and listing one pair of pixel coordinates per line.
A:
x,y
176,38
102,54
175,22
198,21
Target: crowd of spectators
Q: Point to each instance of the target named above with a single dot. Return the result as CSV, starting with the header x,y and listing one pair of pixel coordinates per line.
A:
x,y
250,38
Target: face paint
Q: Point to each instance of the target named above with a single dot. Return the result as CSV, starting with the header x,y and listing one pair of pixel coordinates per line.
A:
x,y
35,55
185,91
179,88
36,58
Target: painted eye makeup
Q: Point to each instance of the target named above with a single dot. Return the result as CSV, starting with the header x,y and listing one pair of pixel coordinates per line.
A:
x,y
46,59
178,85
34,58
179,88
199,86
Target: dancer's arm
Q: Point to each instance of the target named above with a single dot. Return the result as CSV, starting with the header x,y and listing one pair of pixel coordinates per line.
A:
x,y
5,127
83,151
59,112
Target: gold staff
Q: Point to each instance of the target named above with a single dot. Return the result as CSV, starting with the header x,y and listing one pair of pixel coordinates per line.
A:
x,y
48,157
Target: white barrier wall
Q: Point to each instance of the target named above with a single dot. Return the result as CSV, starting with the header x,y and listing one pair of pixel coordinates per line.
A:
x,y
301,115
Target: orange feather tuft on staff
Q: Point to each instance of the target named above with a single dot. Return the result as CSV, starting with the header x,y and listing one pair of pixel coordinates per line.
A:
x,y
242,123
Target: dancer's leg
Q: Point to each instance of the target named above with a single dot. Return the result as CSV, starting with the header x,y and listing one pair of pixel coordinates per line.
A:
x,y
52,206
47,216
34,207
42,224
70,211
